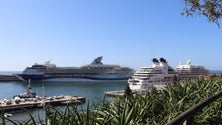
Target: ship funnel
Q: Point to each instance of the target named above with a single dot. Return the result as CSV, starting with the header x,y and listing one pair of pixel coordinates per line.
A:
x,y
97,61
188,61
163,60
155,60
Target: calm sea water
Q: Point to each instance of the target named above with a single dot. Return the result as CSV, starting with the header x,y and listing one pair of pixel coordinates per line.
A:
x,y
92,91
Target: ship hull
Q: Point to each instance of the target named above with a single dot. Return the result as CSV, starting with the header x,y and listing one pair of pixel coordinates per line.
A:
x,y
33,77
144,85
83,80
102,78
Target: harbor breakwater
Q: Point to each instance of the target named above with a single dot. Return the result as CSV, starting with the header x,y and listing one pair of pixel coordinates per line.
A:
x,y
5,78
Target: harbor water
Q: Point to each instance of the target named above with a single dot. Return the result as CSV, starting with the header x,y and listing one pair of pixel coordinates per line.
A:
x,y
92,91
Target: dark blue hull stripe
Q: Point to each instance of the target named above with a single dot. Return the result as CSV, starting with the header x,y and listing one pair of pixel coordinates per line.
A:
x,y
41,77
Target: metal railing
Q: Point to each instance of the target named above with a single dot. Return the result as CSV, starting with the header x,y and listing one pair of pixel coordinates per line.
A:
x,y
187,116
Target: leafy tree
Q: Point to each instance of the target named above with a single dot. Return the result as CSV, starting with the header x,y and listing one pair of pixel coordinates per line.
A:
x,y
212,9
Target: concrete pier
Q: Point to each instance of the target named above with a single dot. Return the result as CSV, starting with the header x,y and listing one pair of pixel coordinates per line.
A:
x,y
120,93
8,105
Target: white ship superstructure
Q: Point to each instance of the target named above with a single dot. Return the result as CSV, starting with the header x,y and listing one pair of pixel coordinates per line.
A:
x,y
158,73
190,71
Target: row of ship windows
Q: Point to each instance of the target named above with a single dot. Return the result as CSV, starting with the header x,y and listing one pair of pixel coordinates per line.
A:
x,y
190,69
144,75
149,73
157,71
98,68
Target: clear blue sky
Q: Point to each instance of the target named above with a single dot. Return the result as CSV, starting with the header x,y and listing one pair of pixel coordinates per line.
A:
x,y
125,32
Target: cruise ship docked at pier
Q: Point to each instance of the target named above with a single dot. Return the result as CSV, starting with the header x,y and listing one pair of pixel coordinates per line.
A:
x,y
95,71
190,71
158,73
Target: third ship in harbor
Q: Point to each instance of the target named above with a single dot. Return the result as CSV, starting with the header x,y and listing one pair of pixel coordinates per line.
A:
x,y
159,73
95,71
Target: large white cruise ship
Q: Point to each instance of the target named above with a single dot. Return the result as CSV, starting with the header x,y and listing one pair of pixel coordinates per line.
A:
x,y
190,71
159,72
95,71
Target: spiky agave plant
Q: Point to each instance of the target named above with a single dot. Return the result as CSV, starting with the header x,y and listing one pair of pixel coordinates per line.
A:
x,y
193,91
